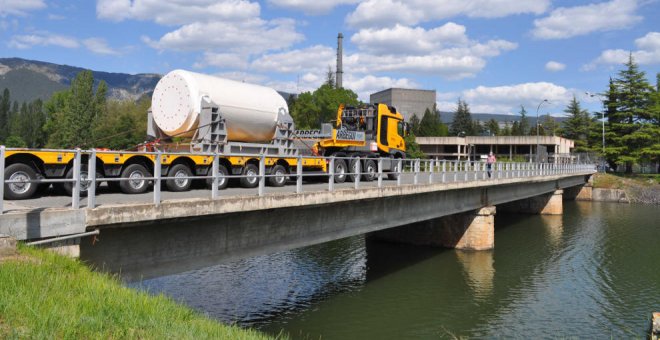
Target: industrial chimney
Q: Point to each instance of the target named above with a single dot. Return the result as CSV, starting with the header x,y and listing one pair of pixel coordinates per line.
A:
x,y
340,67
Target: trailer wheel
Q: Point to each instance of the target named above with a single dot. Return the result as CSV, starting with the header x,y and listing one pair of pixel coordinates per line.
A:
x,y
223,181
251,179
84,181
352,166
370,170
280,176
134,182
177,180
340,171
20,190
394,174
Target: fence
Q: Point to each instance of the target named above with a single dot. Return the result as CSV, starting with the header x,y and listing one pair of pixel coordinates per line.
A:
x,y
406,171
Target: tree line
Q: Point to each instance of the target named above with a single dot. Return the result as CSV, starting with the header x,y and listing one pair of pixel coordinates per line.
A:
x,y
80,116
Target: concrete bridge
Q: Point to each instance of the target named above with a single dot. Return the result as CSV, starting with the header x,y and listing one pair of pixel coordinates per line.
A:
x,y
434,204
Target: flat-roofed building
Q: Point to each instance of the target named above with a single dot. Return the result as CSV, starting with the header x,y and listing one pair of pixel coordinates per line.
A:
x,y
406,101
550,148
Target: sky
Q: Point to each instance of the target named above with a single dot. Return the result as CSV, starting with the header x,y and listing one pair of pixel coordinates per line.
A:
x,y
495,54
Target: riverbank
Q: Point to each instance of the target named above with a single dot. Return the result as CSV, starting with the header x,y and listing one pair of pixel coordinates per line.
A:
x,y
638,189
45,295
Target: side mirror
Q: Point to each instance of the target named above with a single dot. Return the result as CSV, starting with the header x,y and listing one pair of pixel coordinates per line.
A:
x,y
406,129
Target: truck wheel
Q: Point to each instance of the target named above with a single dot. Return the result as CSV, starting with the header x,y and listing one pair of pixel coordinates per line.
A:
x,y
352,166
394,174
370,170
134,182
223,181
280,176
20,190
251,179
177,180
340,171
84,182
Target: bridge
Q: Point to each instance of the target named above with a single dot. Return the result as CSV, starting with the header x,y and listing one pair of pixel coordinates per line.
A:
x,y
443,203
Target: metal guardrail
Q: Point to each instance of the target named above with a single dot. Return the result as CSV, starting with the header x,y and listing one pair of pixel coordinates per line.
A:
x,y
423,171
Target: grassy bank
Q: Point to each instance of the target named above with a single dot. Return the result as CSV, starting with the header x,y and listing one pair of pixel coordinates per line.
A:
x,y
43,295
639,188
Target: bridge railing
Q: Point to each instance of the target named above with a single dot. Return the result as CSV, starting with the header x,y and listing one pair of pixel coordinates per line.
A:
x,y
361,172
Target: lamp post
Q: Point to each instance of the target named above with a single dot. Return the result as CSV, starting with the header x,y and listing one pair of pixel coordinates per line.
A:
x,y
602,119
537,128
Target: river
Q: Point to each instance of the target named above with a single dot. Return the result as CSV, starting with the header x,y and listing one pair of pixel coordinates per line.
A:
x,y
593,272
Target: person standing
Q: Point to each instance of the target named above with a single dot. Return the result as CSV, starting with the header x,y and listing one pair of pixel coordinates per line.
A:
x,y
489,163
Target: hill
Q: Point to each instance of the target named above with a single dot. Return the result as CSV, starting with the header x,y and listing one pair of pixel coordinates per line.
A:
x,y
28,80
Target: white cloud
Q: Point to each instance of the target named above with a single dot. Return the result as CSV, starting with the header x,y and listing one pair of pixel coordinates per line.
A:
x,y
312,7
566,22
554,66
177,12
387,13
445,50
99,46
223,61
19,7
311,59
43,38
507,99
648,53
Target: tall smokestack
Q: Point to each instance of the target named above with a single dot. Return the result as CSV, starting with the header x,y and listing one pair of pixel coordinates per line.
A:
x,y
340,67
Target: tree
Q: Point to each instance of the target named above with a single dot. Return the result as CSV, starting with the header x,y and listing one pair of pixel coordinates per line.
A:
x,y
506,131
577,126
330,78
477,128
124,125
515,129
549,126
493,127
524,125
414,124
72,124
412,148
5,107
311,109
430,125
630,116
462,122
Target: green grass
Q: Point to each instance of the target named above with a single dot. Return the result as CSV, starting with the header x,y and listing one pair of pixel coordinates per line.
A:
x,y
44,295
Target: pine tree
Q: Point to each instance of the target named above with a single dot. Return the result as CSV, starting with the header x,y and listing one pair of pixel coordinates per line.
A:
x,y
5,108
630,119
524,123
414,124
577,126
429,126
515,129
493,127
462,122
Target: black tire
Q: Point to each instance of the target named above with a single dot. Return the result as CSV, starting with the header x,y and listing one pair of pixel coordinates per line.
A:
x,y
281,176
114,186
340,171
134,184
251,180
67,187
370,170
20,191
394,174
352,169
223,181
175,182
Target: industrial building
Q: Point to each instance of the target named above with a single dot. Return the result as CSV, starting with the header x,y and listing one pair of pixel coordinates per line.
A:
x,y
547,148
406,101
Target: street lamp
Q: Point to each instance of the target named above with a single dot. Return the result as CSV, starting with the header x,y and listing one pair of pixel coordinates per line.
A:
x,y
537,128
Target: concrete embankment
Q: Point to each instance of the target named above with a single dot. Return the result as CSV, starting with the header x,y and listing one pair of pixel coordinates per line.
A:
x,y
617,189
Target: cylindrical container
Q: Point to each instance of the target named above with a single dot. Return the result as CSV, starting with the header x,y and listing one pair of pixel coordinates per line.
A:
x,y
250,111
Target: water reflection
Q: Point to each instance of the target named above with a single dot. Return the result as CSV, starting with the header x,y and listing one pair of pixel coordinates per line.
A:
x,y
479,271
554,227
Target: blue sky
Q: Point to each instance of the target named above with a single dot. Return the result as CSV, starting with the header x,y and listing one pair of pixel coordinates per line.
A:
x,y
497,54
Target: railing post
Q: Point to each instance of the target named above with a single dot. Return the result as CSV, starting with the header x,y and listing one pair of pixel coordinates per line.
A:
x,y
358,173
380,172
215,166
2,177
400,170
157,176
444,168
415,170
331,178
262,174
91,176
467,168
455,168
299,174
75,196
431,171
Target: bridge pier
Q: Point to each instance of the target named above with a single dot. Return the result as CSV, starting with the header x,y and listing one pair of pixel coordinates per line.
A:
x,y
547,204
473,230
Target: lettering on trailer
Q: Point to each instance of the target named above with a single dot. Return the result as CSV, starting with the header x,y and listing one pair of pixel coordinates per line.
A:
x,y
347,135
